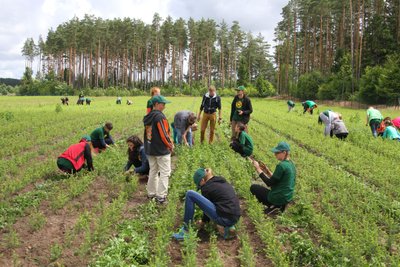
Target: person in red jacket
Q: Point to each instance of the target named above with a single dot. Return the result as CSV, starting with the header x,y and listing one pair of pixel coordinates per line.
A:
x,y
73,159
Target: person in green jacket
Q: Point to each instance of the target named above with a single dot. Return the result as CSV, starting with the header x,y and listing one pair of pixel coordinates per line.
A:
x,y
282,181
374,118
390,132
101,137
309,106
242,144
290,105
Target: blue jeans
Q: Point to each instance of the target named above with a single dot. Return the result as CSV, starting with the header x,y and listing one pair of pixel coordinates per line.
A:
x,y
374,124
206,206
179,137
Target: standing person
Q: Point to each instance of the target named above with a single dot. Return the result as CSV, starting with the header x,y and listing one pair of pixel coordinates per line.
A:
x,y
73,159
119,100
309,106
218,201
281,182
327,117
391,132
153,91
136,156
183,121
339,129
396,123
240,109
243,143
374,118
158,147
101,137
209,104
290,105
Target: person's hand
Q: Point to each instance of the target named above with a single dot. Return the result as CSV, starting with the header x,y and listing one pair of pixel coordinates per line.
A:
x,y
255,163
240,112
200,224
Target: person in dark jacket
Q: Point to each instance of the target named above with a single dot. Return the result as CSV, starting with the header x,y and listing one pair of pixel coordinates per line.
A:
x,y
158,147
101,137
209,104
281,182
240,109
182,126
73,159
218,201
136,156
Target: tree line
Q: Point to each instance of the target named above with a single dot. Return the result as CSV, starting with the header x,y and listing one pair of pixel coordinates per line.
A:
x,y
96,53
339,49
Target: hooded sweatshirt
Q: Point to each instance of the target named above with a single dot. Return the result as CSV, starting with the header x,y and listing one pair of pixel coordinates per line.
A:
x,y
338,127
157,138
223,196
243,104
210,104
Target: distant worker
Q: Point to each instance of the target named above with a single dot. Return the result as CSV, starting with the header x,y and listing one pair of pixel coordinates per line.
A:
x,y
136,156
183,121
290,105
309,106
209,104
119,100
396,123
243,143
129,102
64,100
241,109
339,128
327,117
101,137
391,132
382,126
281,182
88,101
218,201
374,118
73,159
81,99
153,91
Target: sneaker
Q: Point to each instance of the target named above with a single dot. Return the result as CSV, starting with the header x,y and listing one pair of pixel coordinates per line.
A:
x,y
181,234
162,200
229,232
273,210
151,197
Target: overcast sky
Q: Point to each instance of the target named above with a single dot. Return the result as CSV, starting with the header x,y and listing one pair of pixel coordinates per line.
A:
x,y
22,19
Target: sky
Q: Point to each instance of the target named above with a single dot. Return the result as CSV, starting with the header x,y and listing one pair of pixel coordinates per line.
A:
x,y
22,19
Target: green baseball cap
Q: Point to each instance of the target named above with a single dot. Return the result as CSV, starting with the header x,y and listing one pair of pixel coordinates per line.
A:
x,y
198,176
87,138
159,99
282,146
241,88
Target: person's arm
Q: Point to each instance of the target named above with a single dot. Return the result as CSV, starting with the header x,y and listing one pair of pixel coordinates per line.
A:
x,y
144,167
232,109
163,129
219,109
367,121
201,107
87,154
249,109
184,136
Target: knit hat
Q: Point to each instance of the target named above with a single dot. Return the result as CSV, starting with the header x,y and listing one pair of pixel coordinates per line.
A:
x,y
282,146
87,138
198,176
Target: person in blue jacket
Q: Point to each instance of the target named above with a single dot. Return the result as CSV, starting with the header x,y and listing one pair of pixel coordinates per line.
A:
x,y
136,156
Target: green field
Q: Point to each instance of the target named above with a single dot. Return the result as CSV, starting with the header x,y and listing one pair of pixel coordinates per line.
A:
x,y
346,210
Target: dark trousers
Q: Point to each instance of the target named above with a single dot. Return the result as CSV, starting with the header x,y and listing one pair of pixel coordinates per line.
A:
x,y
97,143
237,147
341,136
261,193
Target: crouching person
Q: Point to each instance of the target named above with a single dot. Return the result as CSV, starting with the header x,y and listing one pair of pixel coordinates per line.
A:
x,y
281,182
217,200
136,156
101,137
242,144
73,159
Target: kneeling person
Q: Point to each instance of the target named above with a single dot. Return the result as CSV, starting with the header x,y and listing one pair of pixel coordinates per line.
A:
x,y
101,137
218,201
73,159
137,156
242,144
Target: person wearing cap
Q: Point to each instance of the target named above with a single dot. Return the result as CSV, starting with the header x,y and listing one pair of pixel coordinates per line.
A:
x,y
218,201
290,105
281,182
309,106
153,91
241,109
243,143
209,104
327,117
183,121
158,147
73,159
374,118
101,137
